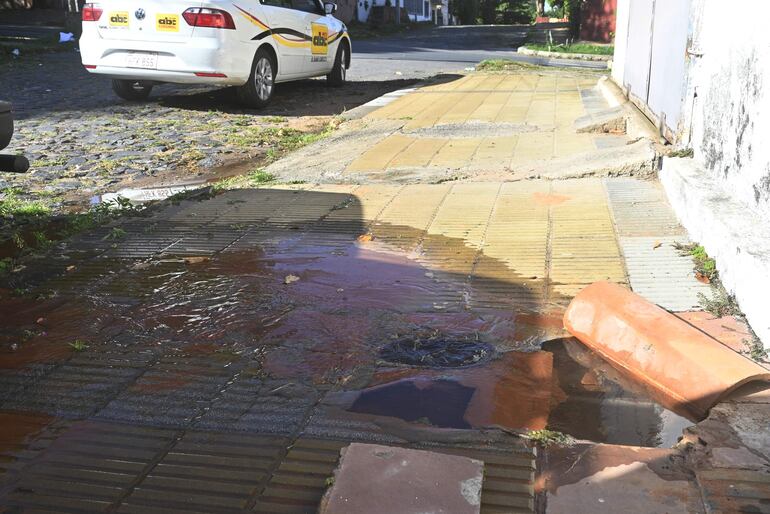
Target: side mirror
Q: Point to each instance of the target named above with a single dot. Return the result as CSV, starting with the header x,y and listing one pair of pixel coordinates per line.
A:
x,y
330,7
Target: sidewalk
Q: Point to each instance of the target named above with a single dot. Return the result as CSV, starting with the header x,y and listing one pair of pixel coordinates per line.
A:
x,y
214,355
479,127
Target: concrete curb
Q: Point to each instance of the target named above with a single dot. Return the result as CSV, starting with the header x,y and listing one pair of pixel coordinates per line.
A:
x,y
381,101
563,55
638,125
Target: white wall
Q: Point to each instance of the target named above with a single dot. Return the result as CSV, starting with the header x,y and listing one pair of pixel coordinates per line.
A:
x,y
730,84
722,195
621,35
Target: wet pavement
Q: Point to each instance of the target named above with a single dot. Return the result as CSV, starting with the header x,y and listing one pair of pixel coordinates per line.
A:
x,y
214,354
180,359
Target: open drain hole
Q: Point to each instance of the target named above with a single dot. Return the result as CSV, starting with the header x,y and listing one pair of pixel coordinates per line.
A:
x,y
436,351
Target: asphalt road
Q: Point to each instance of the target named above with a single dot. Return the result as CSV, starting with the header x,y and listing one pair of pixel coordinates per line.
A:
x,y
427,52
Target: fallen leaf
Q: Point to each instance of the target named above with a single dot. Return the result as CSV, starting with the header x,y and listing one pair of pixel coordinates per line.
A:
x,y
196,259
290,279
365,238
657,245
71,267
702,278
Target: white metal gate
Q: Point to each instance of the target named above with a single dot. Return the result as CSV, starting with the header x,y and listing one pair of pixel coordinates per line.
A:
x,y
656,59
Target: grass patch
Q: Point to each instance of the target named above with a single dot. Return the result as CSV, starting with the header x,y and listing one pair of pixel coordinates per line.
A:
x,y
13,207
260,176
575,48
31,229
705,266
504,65
546,438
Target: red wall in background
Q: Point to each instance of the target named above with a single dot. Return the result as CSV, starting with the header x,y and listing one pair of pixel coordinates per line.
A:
x,y
597,22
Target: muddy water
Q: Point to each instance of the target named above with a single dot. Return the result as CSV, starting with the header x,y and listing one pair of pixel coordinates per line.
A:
x,y
316,304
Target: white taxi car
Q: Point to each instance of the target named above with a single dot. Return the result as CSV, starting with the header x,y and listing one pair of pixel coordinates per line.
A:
x,y
251,44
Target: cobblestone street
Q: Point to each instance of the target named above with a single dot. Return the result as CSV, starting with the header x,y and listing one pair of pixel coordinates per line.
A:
x,y
82,140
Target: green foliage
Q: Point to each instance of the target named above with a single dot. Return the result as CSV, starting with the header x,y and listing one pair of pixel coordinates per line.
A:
x,y
114,234
79,346
575,48
12,206
260,176
705,266
503,65
720,303
6,264
547,437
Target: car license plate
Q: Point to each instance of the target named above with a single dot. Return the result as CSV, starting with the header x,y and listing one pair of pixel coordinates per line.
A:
x,y
144,60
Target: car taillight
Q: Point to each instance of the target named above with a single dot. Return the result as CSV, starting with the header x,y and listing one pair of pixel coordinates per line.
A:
x,y
213,18
91,12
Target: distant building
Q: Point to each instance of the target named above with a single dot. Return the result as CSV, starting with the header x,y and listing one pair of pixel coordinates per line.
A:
x,y
597,20
436,11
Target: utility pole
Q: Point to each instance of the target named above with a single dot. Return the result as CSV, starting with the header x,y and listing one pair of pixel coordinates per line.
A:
x,y
398,12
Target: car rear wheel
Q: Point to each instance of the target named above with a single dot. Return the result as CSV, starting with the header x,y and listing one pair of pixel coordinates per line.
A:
x,y
133,90
258,91
338,75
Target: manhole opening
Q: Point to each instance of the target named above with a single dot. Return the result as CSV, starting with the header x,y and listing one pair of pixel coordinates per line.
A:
x,y
436,351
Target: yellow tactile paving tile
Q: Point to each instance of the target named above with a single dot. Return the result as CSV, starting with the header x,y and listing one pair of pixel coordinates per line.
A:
x,y
530,242
378,157
548,105
403,221
461,111
490,108
417,154
567,143
440,105
367,203
456,153
533,146
403,106
584,248
495,150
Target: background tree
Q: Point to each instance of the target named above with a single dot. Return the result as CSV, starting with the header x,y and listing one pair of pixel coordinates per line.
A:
x,y
540,7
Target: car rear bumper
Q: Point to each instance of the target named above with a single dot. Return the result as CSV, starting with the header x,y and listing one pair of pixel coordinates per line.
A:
x,y
201,60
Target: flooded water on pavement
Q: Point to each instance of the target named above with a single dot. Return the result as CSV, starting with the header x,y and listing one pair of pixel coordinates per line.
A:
x,y
369,319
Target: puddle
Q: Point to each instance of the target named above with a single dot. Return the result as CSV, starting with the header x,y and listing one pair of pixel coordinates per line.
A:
x,y
391,323
17,430
441,403
564,387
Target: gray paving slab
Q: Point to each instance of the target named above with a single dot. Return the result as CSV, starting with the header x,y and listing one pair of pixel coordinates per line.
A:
x,y
661,273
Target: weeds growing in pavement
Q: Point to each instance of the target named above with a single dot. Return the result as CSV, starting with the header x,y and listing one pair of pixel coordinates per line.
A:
x,y
547,437
79,346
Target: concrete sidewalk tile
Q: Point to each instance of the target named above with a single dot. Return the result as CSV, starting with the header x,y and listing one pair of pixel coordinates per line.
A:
x,y
417,154
385,479
640,208
407,105
460,112
495,150
381,154
440,105
456,153
659,272
570,143
532,147
490,108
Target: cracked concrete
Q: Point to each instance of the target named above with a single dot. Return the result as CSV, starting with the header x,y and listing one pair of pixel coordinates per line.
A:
x,y
481,127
